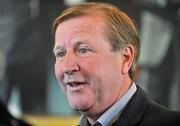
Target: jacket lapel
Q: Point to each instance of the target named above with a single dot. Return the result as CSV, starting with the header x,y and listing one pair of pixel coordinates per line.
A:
x,y
133,112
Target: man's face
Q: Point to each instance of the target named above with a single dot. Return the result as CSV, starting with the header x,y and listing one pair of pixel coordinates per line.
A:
x,y
87,70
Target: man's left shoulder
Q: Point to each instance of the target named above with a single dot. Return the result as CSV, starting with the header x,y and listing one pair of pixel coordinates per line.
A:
x,y
161,115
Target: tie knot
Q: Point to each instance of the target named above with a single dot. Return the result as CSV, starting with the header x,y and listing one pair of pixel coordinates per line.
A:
x,y
97,124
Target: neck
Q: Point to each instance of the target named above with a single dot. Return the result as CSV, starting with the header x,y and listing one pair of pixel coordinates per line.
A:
x,y
92,118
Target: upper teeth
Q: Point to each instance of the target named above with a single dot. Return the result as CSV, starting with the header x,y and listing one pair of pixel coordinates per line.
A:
x,y
73,84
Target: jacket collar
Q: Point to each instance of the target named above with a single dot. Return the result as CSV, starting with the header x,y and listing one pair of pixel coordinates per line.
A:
x,y
134,110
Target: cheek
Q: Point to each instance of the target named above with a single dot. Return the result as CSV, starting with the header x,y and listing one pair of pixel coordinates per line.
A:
x,y
57,71
107,74
59,75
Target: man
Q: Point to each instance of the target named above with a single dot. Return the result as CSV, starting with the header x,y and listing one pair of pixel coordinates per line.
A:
x,y
96,50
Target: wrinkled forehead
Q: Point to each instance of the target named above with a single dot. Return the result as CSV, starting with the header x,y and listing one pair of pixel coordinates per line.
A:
x,y
81,24
79,27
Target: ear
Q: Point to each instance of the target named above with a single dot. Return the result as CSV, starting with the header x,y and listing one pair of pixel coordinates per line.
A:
x,y
127,57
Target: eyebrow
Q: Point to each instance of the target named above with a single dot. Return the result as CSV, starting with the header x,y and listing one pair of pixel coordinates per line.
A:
x,y
56,47
79,43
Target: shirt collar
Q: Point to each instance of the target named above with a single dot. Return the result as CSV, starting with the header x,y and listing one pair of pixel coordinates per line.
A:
x,y
112,114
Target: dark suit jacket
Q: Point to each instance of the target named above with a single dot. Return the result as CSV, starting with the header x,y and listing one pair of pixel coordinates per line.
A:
x,y
141,111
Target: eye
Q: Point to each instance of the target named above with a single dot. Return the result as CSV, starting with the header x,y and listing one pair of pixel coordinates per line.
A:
x,y
84,50
60,53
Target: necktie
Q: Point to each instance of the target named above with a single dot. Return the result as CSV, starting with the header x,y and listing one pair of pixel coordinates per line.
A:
x,y
97,124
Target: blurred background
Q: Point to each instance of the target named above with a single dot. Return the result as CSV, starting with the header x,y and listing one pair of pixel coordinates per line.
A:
x,y
27,81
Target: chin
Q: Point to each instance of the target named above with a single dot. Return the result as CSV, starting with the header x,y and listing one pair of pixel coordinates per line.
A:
x,y
80,107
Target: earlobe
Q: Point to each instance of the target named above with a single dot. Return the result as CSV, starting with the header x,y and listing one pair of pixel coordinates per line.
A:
x,y
128,56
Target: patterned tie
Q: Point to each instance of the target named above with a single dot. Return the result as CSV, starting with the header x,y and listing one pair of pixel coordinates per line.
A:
x,y
97,124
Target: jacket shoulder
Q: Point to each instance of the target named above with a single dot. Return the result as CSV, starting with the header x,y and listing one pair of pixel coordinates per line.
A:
x,y
157,114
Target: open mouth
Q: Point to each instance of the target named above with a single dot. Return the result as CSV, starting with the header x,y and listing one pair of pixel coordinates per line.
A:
x,y
75,84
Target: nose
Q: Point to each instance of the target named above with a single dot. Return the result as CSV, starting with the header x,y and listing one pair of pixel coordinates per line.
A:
x,y
70,64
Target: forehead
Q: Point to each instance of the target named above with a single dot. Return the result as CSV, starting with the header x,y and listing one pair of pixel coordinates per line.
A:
x,y
82,24
86,29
